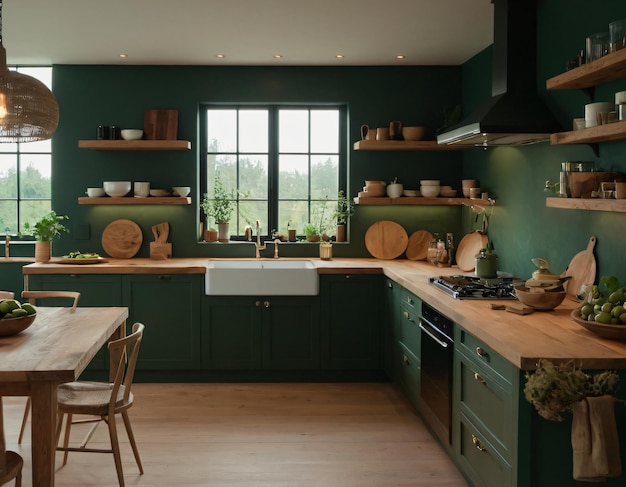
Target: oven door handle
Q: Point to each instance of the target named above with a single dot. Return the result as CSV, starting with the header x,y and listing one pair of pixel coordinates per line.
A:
x,y
439,341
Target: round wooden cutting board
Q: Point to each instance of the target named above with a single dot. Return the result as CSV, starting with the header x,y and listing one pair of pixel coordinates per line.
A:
x,y
122,239
417,248
468,247
386,239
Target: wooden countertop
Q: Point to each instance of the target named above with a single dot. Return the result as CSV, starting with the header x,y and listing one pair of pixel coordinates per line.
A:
x,y
522,340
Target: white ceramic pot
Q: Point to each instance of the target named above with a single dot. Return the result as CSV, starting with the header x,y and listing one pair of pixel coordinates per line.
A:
x,y
395,190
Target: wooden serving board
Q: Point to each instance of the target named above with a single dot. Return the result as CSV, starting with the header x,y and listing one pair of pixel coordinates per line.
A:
x,y
581,270
417,247
386,239
122,239
468,247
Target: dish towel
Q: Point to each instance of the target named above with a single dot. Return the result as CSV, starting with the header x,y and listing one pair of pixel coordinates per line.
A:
x,y
595,443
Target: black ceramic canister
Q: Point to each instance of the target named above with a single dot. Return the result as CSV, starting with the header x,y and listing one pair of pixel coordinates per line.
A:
x,y
116,133
103,132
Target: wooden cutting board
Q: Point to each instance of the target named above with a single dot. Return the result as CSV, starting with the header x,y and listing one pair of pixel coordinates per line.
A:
x,y
417,247
122,239
582,270
386,240
468,247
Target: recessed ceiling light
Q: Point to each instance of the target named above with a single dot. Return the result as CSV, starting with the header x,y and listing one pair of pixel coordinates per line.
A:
x,y
123,56
400,56
339,56
277,56
221,56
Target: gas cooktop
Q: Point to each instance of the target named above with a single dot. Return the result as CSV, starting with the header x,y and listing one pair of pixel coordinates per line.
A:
x,y
471,287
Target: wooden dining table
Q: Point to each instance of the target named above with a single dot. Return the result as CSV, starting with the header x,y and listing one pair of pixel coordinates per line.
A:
x,y
56,348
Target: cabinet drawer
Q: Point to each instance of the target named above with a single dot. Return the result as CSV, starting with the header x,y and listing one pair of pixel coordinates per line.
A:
x,y
407,368
479,352
410,299
480,460
409,331
487,403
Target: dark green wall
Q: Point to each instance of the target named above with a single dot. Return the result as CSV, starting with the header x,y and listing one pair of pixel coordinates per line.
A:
x,y
522,227
118,95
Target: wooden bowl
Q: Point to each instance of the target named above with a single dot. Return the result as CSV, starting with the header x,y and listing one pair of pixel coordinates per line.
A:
x,y
613,332
543,301
13,326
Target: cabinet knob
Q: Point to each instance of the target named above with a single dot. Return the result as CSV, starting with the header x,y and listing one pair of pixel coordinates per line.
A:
x,y
481,353
478,444
405,359
407,315
348,276
257,303
409,300
479,378
266,304
389,285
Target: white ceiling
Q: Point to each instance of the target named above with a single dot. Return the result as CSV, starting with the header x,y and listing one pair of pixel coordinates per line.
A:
x,y
246,32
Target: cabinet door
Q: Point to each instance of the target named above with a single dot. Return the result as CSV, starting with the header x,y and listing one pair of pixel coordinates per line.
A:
x,y
231,333
352,320
95,290
291,333
390,327
169,307
11,278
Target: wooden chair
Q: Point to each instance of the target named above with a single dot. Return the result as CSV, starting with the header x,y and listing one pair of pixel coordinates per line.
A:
x,y
104,400
10,462
32,297
6,295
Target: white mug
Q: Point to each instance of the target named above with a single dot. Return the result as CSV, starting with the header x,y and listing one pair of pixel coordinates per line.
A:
x,y
141,189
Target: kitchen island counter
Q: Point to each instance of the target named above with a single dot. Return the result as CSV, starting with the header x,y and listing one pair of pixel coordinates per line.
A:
x,y
522,340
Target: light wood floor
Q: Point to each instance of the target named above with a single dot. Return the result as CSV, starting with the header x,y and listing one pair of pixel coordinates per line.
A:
x,y
261,435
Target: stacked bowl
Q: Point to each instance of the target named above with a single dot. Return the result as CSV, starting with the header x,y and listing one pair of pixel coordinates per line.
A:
x,y
373,189
430,188
468,184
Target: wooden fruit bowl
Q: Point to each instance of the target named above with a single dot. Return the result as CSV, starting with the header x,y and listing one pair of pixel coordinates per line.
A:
x,y
614,332
13,326
543,301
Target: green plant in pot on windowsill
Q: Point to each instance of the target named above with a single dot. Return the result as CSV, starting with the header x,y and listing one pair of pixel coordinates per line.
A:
x,y
45,230
219,208
311,233
343,211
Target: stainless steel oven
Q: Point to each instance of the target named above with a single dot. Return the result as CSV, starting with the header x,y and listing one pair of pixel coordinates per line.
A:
x,y
437,353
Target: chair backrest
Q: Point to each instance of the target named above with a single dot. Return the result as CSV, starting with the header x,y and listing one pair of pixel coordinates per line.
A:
x,y
7,295
123,358
33,296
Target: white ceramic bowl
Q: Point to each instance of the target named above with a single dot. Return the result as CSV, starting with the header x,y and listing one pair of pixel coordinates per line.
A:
x,y
95,192
159,192
429,191
411,192
430,182
132,134
115,189
448,193
181,190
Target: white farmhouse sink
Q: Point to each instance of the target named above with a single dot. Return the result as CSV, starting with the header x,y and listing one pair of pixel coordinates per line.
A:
x,y
242,277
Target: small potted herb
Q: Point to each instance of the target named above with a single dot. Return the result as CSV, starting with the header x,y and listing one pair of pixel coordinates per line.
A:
x,y
311,233
219,208
44,231
343,210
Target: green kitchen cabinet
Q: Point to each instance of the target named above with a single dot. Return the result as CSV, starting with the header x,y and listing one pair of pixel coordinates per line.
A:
x,y
169,307
391,291
352,316
260,333
407,353
95,290
11,278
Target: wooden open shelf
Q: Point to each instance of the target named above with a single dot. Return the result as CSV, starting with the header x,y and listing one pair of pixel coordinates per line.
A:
x,y
601,133
135,144
607,68
594,204
405,145
420,200
130,200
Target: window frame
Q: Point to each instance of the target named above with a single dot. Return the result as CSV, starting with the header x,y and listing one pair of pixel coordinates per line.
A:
x,y
273,153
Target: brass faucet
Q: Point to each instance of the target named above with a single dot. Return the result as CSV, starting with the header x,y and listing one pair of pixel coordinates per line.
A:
x,y
7,239
258,245
276,242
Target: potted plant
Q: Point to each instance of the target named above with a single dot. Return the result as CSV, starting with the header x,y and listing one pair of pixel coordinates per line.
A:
x,y
44,231
219,208
343,210
311,233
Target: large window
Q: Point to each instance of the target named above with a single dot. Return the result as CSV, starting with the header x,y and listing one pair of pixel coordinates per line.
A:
x,y
25,175
283,164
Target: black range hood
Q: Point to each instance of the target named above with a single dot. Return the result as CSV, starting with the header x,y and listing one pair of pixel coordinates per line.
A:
x,y
515,115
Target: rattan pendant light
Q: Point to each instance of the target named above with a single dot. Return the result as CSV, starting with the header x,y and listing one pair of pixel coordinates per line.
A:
x,y
28,110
